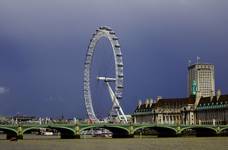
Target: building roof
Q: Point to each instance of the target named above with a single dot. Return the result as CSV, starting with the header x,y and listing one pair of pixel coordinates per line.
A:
x,y
214,103
204,103
199,64
164,102
146,106
222,98
176,101
23,117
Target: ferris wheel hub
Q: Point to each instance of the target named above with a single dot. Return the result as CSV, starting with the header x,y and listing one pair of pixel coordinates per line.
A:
x,y
106,79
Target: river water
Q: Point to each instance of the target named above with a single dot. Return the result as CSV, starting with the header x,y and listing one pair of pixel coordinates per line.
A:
x,y
54,143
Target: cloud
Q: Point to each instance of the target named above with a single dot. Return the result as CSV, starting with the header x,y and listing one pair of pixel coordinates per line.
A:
x,y
3,90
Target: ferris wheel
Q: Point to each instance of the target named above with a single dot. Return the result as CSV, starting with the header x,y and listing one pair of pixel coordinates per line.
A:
x,y
115,92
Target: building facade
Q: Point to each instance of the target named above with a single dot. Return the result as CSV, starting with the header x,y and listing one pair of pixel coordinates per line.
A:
x,y
188,111
201,79
166,111
212,110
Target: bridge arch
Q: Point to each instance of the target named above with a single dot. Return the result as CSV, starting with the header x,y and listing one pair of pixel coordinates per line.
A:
x,y
65,132
26,130
161,130
10,132
224,131
117,131
199,131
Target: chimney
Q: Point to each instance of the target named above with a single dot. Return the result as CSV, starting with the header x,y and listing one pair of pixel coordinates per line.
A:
x,y
218,94
158,98
151,102
147,103
211,95
139,103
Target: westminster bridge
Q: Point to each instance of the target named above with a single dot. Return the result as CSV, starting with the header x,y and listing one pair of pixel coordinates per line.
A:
x,y
118,130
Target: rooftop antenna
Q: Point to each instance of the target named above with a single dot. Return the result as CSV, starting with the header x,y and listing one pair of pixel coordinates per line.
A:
x,y
197,59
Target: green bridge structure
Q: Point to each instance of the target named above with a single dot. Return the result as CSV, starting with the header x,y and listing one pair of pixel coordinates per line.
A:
x,y
70,131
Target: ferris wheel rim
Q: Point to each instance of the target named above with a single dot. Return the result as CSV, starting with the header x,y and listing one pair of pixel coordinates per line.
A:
x,y
108,33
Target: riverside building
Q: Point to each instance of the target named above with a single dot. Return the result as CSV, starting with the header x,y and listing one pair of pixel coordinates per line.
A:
x,y
165,111
189,111
202,106
212,110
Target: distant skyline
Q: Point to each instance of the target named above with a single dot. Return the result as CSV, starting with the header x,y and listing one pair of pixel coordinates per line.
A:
x,y
43,46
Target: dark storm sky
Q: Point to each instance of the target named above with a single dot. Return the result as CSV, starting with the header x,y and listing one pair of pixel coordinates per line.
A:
x,y
43,45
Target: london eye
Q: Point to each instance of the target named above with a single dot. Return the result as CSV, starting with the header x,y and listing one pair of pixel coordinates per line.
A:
x,y
115,90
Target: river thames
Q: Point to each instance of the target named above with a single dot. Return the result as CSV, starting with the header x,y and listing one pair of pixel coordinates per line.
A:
x,y
180,143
